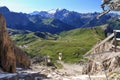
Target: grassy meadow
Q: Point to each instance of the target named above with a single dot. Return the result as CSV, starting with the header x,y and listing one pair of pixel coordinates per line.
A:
x,y
72,44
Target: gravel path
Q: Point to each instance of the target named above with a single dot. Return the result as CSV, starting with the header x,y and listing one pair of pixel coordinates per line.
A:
x,y
69,72
72,69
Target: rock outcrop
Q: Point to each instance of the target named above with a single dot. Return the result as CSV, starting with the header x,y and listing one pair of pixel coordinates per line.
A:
x,y
9,54
22,76
108,62
21,58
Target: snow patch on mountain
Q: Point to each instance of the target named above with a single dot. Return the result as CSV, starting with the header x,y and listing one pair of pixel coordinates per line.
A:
x,y
53,11
35,13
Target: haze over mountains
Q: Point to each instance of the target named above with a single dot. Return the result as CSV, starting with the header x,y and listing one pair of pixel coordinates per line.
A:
x,y
55,21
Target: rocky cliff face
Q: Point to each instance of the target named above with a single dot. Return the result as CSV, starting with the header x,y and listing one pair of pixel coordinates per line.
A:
x,y
9,54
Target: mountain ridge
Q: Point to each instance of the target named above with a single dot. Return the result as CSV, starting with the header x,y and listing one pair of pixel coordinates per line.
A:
x,y
66,20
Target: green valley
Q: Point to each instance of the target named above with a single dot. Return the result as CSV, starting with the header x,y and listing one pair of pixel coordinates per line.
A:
x,y
72,44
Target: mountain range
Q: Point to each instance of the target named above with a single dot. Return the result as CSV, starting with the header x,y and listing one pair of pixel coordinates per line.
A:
x,y
56,20
59,30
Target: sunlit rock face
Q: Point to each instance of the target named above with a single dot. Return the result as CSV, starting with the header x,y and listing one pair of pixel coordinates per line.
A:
x,y
108,62
10,54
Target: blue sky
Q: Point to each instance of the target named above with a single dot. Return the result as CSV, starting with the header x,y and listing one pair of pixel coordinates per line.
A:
x,y
28,6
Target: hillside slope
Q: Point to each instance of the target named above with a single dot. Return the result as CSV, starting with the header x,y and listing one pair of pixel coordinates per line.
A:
x,y
73,44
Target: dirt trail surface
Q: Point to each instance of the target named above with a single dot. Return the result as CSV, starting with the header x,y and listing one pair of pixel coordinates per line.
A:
x,y
69,72
72,69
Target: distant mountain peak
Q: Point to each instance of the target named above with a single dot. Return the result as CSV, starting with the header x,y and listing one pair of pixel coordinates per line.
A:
x,y
34,13
53,11
63,9
49,12
4,9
